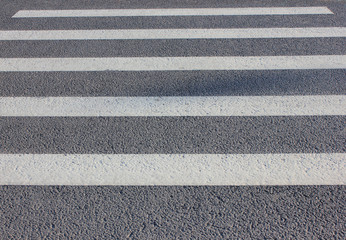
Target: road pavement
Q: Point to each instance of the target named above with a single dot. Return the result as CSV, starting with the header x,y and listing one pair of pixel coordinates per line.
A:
x,y
245,139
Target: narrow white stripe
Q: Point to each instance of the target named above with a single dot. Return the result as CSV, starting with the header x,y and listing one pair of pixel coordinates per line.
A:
x,y
174,106
173,169
172,12
174,33
173,63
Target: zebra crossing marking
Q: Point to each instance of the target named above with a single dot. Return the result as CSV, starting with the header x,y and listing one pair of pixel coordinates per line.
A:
x,y
242,33
172,12
173,106
173,63
173,169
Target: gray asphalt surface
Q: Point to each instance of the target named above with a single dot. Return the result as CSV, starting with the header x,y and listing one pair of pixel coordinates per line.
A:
x,y
173,134
174,47
292,212
219,212
174,83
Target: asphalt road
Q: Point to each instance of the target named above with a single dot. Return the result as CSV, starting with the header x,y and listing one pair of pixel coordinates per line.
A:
x,y
63,212
172,212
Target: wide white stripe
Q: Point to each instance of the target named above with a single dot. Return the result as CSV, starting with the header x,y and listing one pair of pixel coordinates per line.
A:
x,y
172,12
173,63
174,106
174,33
173,169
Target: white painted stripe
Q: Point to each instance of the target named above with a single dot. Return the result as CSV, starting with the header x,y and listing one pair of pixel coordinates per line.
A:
x,y
173,63
174,106
174,33
172,12
173,169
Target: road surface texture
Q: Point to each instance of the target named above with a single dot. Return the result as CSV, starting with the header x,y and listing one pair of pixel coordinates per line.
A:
x,y
179,119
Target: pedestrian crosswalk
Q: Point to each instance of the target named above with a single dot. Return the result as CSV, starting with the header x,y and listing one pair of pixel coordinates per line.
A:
x,y
196,138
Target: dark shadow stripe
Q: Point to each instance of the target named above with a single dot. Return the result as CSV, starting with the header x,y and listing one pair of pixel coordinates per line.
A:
x,y
132,135
174,83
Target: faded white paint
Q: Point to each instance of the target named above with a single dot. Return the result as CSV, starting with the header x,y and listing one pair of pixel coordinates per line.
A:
x,y
172,12
173,33
174,106
173,63
173,169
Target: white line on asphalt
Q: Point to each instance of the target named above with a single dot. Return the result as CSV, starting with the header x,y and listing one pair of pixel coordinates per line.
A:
x,y
173,169
173,33
173,63
172,12
173,106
